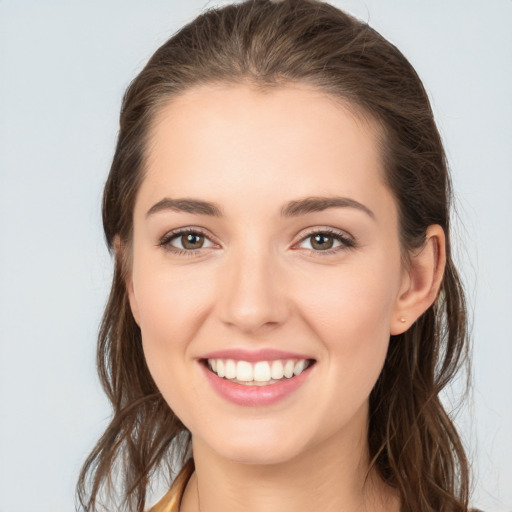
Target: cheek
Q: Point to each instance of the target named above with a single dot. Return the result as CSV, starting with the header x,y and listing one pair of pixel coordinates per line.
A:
x,y
356,299
172,305
170,316
168,297
352,317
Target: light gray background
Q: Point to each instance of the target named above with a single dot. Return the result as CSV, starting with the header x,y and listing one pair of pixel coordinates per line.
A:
x,y
63,68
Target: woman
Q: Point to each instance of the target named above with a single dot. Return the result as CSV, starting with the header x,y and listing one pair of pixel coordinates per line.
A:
x,y
285,309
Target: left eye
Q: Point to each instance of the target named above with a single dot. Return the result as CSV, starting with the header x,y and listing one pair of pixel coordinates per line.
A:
x,y
320,241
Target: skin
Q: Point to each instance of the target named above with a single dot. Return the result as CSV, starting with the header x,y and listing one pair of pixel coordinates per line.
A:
x,y
258,282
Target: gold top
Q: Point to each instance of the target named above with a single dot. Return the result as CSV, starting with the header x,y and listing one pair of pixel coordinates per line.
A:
x,y
172,499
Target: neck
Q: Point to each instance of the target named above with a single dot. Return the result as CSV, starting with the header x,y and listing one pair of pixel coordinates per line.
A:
x,y
332,476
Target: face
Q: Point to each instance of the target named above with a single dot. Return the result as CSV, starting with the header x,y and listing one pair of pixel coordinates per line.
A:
x,y
265,247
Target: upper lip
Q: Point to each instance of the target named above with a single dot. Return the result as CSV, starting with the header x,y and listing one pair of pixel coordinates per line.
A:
x,y
265,354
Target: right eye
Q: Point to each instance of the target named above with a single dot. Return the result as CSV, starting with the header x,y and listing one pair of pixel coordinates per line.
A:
x,y
185,241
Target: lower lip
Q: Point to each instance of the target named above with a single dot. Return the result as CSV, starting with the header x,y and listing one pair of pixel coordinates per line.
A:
x,y
255,396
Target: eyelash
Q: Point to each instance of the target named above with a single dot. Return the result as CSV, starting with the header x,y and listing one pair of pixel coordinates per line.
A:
x,y
346,242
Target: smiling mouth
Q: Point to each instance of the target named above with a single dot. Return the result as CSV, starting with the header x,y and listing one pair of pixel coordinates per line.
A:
x,y
259,373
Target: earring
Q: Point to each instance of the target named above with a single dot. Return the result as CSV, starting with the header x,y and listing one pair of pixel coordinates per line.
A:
x,y
402,319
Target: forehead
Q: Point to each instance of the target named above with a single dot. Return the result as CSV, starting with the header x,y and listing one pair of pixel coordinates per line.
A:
x,y
293,140
243,106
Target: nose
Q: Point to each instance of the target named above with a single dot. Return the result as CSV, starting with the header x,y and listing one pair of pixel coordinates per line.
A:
x,y
252,292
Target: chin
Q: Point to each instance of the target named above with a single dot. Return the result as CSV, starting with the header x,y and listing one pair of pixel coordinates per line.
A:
x,y
265,447
257,455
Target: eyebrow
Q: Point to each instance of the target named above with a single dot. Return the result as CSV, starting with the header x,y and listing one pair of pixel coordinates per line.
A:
x,y
292,209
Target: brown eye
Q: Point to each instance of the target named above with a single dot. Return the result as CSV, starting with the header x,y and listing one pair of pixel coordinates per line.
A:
x,y
186,241
192,240
322,241
326,242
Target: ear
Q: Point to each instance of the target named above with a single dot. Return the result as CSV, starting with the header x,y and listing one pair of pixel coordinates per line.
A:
x,y
422,281
125,267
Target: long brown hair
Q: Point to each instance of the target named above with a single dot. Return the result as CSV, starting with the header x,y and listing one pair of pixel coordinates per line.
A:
x,y
413,442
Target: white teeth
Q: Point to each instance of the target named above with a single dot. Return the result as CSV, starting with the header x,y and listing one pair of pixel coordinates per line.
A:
x,y
230,369
277,370
259,373
299,367
220,368
244,371
288,369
